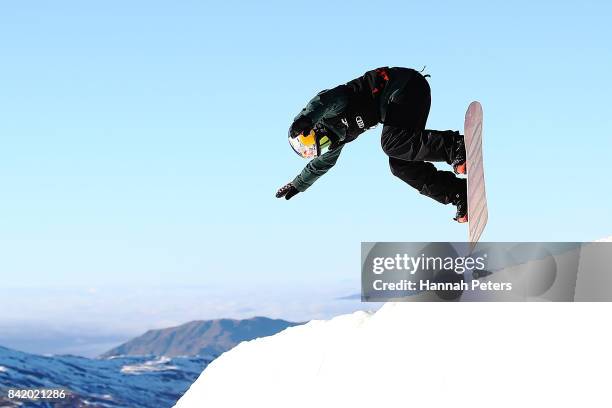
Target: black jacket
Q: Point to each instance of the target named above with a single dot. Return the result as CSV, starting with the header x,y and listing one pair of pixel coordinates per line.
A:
x,y
347,111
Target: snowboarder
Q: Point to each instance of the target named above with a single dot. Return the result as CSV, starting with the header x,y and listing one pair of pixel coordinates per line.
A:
x,y
400,99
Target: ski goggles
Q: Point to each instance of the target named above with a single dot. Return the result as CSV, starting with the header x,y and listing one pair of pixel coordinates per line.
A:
x,y
309,146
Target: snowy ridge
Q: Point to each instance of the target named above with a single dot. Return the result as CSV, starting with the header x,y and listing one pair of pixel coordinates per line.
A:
x,y
411,354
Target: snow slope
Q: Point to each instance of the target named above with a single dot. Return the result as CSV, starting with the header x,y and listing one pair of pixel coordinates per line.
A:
x,y
422,355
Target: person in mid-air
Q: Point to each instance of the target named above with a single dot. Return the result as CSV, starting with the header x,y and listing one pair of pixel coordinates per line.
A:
x,y
400,99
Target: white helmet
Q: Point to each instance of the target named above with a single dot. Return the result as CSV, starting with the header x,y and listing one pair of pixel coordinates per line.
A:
x,y
310,145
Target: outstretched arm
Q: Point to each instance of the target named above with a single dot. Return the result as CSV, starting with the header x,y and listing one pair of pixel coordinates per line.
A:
x,y
313,170
325,104
316,168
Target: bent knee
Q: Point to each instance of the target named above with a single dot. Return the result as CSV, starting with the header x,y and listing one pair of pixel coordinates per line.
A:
x,y
400,168
398,143
394,167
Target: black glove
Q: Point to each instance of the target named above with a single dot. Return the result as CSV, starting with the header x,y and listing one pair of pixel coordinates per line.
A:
x,y
300,125
287,191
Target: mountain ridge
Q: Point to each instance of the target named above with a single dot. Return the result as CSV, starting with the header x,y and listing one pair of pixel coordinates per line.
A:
x,y
199,337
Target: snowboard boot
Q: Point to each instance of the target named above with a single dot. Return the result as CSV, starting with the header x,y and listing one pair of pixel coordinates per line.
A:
x,y
459,164
460,201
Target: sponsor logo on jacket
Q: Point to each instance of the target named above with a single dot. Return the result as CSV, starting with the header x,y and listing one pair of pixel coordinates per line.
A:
x,y
358,120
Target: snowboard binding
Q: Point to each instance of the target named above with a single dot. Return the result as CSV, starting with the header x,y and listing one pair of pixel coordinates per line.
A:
x,y
460,167
460,201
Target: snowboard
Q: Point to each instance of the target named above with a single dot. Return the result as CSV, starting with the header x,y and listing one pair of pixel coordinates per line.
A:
x,y
477,196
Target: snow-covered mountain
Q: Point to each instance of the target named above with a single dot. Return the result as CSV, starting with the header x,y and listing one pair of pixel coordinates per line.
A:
x,y
422,355
152,370
116,382
200,337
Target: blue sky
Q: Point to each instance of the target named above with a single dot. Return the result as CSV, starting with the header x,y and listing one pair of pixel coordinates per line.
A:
x,y
142,142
